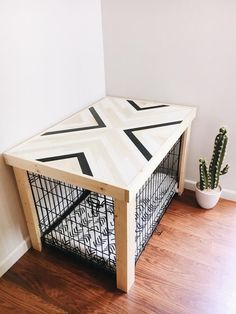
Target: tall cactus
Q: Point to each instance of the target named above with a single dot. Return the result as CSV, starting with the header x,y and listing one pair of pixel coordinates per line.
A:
x,y
209,178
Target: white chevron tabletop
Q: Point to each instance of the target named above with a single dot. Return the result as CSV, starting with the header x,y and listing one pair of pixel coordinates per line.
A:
x,y
110,142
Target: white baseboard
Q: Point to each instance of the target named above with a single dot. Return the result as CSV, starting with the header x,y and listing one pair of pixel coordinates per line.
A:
x,y
189,185
226,194
13,257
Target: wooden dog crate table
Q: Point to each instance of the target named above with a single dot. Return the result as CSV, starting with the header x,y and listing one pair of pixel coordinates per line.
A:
x,y
97,184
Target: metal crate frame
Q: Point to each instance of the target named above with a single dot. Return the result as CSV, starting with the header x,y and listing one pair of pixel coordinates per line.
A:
x,y
81,222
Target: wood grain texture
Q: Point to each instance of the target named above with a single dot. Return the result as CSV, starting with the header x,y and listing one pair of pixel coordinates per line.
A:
x,y
28,207
188,266
125,244
87,148
183,159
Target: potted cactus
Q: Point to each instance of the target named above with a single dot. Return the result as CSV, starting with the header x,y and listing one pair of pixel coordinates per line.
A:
x,y
208,190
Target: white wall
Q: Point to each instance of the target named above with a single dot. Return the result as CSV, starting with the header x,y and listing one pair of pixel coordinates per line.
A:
x,y
51,65
179,52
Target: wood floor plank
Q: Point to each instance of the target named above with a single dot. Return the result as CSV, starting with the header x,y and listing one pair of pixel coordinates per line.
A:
x,y
188,267
201,227
171,267
14,299
207,252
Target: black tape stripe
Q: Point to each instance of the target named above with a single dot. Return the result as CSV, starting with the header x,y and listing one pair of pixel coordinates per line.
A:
x,y
97,118
136,141
81,159
132,103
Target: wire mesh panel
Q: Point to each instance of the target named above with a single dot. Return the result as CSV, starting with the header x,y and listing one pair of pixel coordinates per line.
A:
x,y
75,220
154,197
81,222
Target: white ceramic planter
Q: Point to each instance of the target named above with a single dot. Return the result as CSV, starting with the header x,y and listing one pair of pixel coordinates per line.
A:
x,y
208,198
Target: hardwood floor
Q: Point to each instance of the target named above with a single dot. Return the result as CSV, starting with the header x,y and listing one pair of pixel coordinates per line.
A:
x,y
189,266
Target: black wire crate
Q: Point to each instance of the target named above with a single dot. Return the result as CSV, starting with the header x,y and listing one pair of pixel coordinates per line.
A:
x,y
81,222
75,220
154,197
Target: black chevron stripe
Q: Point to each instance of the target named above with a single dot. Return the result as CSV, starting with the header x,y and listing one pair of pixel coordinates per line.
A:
x,y
136,141
138,144
132,103
97,118
81,159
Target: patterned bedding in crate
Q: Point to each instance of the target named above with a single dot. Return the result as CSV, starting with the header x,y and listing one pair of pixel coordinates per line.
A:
x,y
89,229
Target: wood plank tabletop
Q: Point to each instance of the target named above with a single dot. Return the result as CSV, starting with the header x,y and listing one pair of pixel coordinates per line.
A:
x,y
115,142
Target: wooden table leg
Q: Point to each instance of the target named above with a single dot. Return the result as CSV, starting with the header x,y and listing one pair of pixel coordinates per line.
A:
x,y
28,207
183,159
125,244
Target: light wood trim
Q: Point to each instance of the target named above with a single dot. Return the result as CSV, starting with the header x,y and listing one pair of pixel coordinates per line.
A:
x,y
79,180
183,159
28,207
125,244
